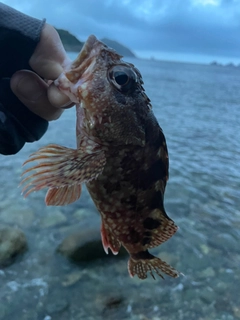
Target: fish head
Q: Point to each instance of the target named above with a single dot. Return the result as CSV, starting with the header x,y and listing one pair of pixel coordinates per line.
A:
x,y
110,92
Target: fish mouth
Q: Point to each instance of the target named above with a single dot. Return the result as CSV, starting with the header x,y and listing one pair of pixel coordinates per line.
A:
x,y
94,56
89,50
83,67
83,64
93,48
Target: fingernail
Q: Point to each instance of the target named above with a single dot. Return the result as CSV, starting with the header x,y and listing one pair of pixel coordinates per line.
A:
x,y
29,88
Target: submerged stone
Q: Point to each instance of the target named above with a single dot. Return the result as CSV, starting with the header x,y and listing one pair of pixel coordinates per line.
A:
x,y
53,219
84,245
12,243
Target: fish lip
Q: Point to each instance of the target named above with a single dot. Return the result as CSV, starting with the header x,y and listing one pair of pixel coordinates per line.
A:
x,y
82,67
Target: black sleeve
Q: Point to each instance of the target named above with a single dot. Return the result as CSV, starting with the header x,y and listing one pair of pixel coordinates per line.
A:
x,y
19,36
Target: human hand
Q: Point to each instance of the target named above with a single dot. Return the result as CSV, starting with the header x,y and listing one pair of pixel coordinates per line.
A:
x,y
48,61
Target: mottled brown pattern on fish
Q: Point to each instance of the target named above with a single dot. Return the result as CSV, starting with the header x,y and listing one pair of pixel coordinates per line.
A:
x,y
121,156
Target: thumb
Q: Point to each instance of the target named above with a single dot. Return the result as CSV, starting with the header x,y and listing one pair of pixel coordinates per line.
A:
x,y
31,90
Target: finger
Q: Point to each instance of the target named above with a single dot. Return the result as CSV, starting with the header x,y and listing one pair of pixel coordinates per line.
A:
x,y
31,90
49,63
57,98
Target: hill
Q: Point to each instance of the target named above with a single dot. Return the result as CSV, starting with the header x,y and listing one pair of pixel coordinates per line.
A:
x,y
121,49
71,43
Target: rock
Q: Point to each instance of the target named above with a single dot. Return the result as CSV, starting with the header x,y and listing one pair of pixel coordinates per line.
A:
x,y
207,294
84,245
204,248
52,219
22,217
72,278
221,287
170,258
12,243
82,213
3,311
56,305
236,311
225,242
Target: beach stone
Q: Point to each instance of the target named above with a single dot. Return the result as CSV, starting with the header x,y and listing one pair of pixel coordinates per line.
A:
x,y
12,243
85,245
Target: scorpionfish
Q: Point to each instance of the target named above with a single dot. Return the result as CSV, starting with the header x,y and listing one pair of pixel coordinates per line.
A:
x,y
121,155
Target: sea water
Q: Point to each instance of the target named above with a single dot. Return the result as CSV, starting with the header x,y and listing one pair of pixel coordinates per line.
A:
x,y
198,108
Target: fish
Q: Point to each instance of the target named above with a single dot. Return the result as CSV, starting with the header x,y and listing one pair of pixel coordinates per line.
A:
x,y
121,156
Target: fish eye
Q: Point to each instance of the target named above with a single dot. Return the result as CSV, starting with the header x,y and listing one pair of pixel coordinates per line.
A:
x,y
122,77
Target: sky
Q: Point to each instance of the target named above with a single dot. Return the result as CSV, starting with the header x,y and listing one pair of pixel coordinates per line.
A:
x,y
178,30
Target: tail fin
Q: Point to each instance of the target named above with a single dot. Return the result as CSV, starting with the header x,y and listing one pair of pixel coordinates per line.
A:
x,y
141,265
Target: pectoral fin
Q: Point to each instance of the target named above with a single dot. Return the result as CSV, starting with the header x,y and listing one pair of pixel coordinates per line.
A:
x,y
62,169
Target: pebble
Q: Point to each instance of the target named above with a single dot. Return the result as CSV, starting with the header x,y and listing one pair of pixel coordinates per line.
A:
x,y
12,243
207,273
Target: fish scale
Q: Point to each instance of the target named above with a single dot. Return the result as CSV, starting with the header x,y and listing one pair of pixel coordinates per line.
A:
x,y
121,155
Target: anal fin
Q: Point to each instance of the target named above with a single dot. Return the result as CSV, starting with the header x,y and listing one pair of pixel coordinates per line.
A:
x,y
109,240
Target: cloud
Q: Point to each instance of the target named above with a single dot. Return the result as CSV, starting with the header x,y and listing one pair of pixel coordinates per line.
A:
x,y
209,27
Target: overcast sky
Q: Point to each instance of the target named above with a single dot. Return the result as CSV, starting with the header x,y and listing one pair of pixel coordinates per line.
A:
x,y
185,30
